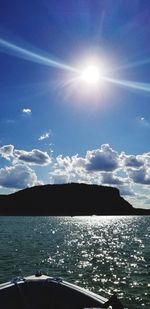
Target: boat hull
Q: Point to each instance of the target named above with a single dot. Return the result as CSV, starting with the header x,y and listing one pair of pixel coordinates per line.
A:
x,y
43,292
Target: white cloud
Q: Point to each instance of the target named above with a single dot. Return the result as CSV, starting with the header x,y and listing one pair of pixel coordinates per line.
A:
x,y
103,159
18,177
59,177
87,169
129,173
141,175
27,111
6,151
34,156
111,179
131,160
44,136
71,163
145,157
104,166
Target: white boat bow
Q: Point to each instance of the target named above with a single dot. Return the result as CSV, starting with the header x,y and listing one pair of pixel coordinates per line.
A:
x,y
43,292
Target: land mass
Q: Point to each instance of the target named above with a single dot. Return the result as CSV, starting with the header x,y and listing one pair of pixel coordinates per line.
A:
x,y
67,200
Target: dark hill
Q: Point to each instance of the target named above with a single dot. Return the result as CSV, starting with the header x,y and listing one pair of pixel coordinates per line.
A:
x,y
67,199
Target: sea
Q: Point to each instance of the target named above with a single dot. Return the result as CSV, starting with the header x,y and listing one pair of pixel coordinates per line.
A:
x,y
105,254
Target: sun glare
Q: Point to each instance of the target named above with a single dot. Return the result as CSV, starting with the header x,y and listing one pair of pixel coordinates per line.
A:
x,y
91,75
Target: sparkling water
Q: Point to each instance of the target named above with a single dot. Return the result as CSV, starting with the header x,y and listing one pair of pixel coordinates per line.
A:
x,y
104,254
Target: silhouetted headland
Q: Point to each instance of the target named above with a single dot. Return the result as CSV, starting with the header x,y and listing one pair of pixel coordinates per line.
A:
x,y
67,200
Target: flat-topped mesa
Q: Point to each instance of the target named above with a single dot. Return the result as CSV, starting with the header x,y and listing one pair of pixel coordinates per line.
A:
x,y
67,199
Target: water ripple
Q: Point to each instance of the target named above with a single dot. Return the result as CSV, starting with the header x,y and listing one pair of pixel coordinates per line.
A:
x,y
103,254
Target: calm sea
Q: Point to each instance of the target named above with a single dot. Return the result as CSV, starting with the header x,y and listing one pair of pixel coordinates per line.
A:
x,y
103,254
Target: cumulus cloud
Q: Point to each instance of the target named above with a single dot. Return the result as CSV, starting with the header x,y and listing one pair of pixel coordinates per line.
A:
x,y
145,157
99,166
78,176
44,136
7,151
18,177
69,169
103,159
71,163
87,169
141,175
131,160
27,111
110,179
35,156
59,177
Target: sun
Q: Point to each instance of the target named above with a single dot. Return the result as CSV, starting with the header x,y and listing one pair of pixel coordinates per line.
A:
x,y
91,75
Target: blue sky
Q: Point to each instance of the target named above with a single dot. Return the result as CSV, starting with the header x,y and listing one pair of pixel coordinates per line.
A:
x,y
56,127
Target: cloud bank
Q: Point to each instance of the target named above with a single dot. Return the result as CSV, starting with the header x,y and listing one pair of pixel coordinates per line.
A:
x,y
18,177
20,174
104,166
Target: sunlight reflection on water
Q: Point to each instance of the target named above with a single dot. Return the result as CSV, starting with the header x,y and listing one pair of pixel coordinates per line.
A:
x,y
103,254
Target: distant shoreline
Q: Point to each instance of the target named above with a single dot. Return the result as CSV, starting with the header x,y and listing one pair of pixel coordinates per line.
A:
x,y
71,199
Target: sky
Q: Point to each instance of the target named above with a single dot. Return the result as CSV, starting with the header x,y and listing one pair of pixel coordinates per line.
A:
x,y
57,123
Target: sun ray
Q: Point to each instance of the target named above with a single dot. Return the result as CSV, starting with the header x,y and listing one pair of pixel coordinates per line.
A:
x,y
129,84
134,64
89,75
21,52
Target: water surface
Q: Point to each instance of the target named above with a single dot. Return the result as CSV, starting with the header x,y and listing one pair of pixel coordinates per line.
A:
x,y
103,254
